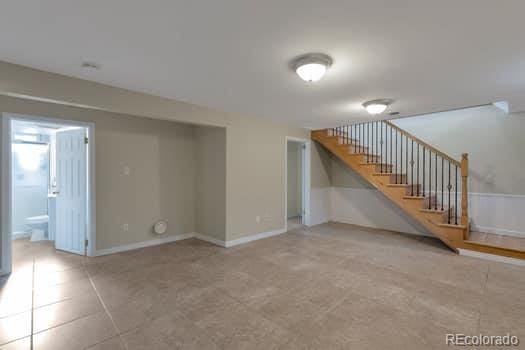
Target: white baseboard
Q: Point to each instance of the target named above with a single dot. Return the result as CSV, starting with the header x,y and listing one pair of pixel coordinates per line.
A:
x,y
254,237
202,237
491,257
211,240
138,245
20,235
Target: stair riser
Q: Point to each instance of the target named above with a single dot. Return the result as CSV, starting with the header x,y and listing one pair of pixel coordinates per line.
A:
x,y
385,168
398,179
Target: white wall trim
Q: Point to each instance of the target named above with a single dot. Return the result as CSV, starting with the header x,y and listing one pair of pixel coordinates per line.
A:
x,y
498,231
211,240
254,237
138,245
305,177
491,257
20,235
200,236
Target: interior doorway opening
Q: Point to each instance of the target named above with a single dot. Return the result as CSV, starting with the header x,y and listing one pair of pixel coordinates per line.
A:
x,y
296,183
48,202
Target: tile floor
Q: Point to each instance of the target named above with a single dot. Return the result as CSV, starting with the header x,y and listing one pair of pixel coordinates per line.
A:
x,y
332,286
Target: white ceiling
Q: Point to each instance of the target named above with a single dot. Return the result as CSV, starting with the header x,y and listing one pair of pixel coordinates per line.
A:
x,y
234,55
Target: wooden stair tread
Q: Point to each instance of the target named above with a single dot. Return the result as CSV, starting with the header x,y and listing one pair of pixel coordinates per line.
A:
x,y
489,248
414,197
433,211
381,174
444,224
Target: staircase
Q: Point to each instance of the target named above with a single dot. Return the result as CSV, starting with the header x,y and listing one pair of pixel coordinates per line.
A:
x,y
427,184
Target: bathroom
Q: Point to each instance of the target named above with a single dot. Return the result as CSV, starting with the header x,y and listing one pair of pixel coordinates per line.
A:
x,y
38,165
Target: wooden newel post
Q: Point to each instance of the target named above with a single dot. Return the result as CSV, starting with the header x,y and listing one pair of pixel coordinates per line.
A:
x,y
464,192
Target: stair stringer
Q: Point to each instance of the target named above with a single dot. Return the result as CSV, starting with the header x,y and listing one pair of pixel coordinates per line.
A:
x,y
451,235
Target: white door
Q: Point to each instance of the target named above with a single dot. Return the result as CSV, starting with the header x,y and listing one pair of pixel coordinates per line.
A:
x,y
72,190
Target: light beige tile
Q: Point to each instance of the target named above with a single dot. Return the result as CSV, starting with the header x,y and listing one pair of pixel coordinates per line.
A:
x,y
240,328
331,286
78,334
171,331
63,291
114,343
21,344
15,327
65,311
45,278
14,305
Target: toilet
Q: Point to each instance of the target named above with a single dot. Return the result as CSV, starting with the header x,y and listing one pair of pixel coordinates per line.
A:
x,y
38,226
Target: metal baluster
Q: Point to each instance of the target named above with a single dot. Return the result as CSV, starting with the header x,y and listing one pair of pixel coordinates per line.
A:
x,y
442,182
449,188
429,178
406,165
401,156
391,161
417,169
361,138
354,140
397,170
381,143
368,142
424,171
377,138
412,168
456,202
436,180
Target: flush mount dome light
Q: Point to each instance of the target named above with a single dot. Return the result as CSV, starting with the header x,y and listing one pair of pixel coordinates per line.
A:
x,y
377,106
312,66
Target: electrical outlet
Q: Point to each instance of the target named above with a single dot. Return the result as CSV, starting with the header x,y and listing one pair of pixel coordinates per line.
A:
x,y
125,227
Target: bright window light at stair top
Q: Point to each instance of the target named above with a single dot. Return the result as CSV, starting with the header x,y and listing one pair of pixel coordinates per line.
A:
x,y
312,67
377,106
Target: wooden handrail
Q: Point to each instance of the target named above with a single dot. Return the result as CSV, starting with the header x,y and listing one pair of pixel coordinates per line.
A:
x,y
418,140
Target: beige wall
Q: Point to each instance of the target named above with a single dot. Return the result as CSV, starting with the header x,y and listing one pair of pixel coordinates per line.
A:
x,y
255,149
256,152
494,141
294,181
161,158
210,182
321,167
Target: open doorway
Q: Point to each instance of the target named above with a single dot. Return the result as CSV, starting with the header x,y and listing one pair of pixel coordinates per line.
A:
x,y
297,183
46,188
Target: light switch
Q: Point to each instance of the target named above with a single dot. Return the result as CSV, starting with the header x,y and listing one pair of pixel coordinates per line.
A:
x,y
126,170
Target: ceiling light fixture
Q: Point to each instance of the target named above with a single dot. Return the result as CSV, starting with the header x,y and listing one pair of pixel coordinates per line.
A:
x,y
312,66
377,106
